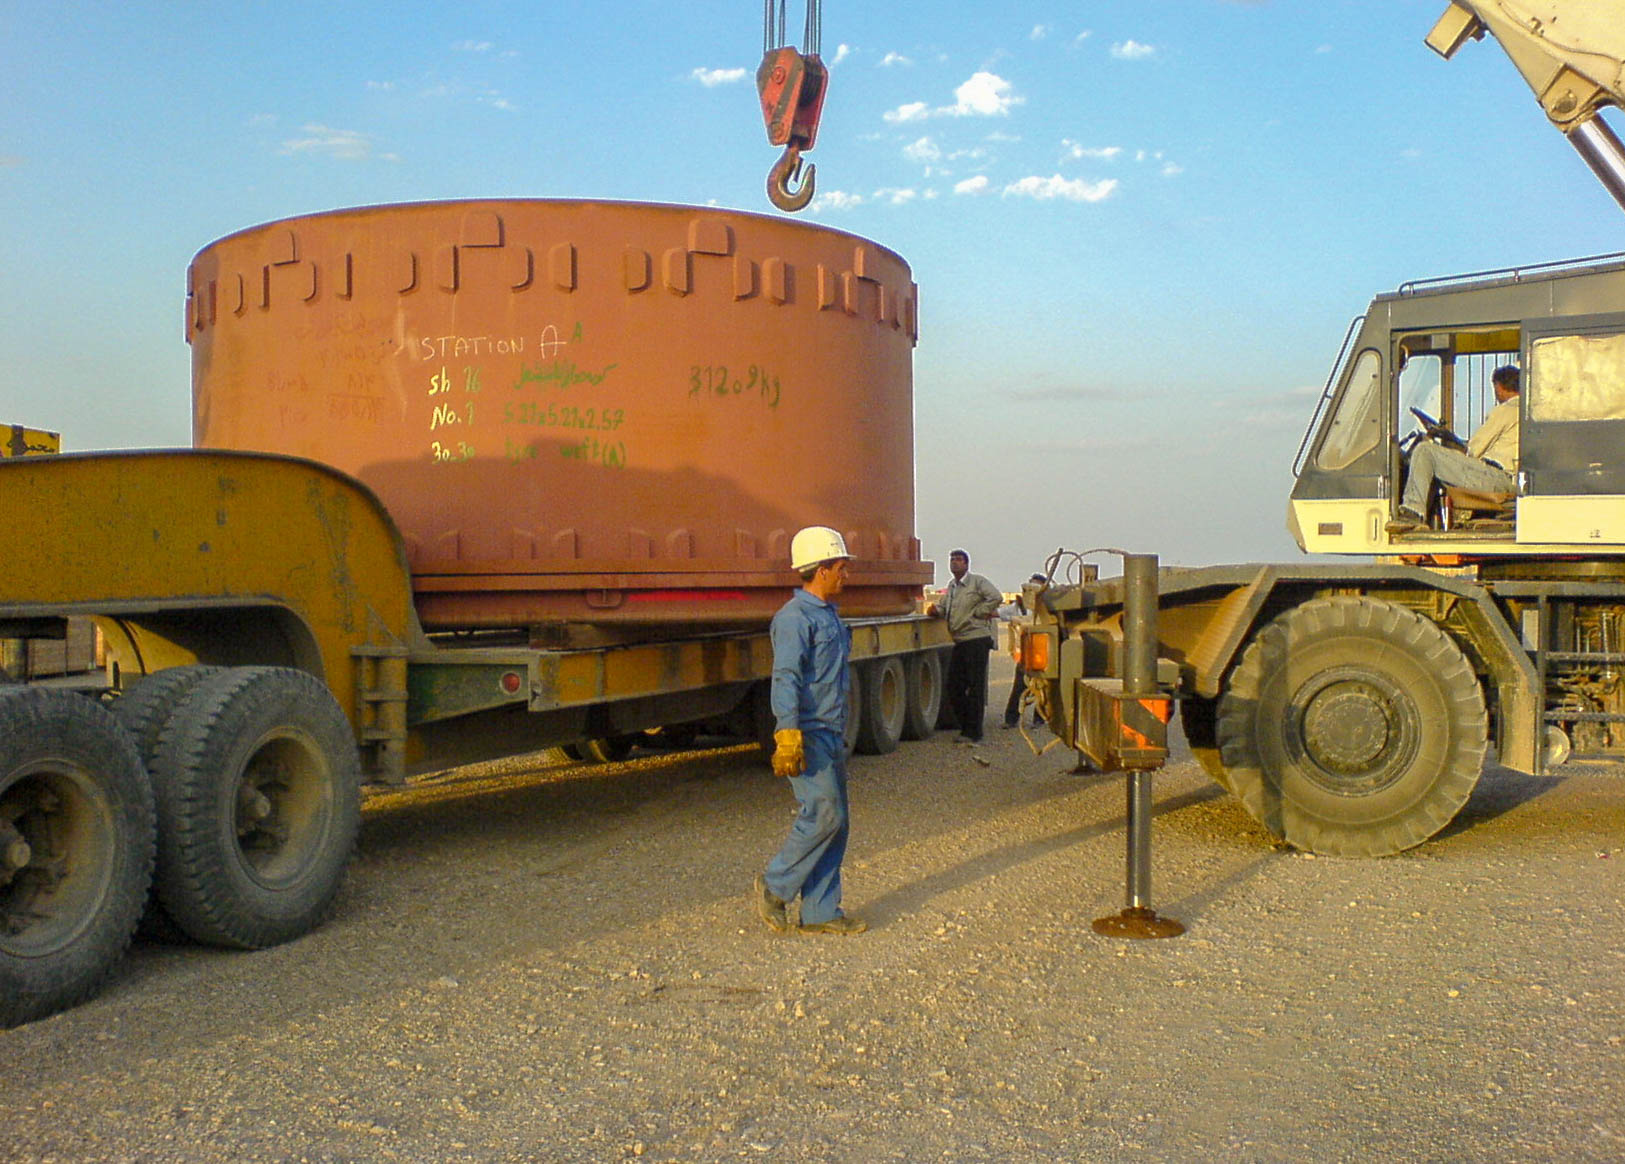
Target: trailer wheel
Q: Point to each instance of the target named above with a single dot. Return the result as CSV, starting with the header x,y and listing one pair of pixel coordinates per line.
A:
x,y
880,719
1353,727
142,711
76,849
922,691
854,706
148,703
1199,718
258,788
606,749
946,716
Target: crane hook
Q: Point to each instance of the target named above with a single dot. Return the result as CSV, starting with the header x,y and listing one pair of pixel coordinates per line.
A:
x,y
785,171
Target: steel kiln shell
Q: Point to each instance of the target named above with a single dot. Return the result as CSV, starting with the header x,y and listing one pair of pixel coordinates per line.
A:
x,y
579,411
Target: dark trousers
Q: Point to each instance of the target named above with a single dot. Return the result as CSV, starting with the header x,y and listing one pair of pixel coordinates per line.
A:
x,y
967,684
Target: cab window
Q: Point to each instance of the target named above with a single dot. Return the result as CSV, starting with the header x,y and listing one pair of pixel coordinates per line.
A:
x,y
1419,387
1356,426
1577,377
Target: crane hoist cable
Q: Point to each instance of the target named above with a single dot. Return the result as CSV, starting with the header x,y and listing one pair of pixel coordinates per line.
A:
x,y
791,85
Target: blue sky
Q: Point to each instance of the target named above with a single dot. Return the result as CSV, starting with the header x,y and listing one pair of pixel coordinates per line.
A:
x,y
1139,230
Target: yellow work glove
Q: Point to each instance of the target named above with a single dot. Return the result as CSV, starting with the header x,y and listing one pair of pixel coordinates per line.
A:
x,y
788,759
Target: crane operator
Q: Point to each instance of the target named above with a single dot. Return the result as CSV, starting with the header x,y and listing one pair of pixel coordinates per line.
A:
x,y
1487,466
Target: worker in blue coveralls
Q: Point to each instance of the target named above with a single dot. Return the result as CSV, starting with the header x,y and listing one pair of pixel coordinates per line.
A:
x,y
811,646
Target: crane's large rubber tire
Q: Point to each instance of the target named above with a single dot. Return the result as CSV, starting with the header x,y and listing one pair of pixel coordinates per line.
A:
x,y
258,786
1199,717
76,811
882,706
1352,727
922,694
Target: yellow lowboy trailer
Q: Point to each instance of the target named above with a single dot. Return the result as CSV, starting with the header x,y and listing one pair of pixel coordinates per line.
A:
x,y
263,660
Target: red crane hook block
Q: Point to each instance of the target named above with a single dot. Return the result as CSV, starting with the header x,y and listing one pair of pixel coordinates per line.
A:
x,y
792,87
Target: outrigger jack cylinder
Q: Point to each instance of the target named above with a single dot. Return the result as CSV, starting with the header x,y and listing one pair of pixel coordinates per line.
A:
x,y
1137,919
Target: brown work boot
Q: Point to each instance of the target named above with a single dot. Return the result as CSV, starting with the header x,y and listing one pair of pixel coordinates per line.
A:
x,y
1405,520
770,908
839,924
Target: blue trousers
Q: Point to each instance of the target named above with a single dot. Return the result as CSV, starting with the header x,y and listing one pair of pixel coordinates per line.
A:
x,y
1431,462
809,864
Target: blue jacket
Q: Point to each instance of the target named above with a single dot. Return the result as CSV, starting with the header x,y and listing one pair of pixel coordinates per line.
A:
x,y
811,646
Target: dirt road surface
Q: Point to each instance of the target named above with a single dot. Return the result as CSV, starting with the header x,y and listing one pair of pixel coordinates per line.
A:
x,y
544,964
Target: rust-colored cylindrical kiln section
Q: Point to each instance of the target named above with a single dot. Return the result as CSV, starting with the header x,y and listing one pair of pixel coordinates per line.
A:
x,y
579,412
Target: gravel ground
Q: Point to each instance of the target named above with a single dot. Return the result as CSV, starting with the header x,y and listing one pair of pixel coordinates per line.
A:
x,y
542,964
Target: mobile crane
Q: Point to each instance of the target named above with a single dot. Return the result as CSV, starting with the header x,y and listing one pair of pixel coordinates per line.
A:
x,y
1350,707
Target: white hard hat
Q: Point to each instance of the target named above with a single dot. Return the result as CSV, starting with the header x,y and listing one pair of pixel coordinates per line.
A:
x,y
815,544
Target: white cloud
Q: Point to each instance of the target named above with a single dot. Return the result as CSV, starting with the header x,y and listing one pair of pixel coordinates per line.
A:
x,y
344,144
895,196
380,86
1077,151
913,111
894,59
1115,443
1283,418
976,185
1171,169
472,46
1093,392
711,78
842,51
1132,50
836,200
925,150
1070,189
1282,408
984,95
1081,37
1039,32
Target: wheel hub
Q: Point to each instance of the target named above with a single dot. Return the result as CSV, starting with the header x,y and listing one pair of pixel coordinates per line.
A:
x,y
51,874
280,803
1355,729
1346,727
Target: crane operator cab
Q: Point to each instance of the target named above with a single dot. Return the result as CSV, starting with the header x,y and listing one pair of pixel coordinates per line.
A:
x,y
1428,365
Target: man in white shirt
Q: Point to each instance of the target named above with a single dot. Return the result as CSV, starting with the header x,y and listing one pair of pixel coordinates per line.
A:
x,y
1487,466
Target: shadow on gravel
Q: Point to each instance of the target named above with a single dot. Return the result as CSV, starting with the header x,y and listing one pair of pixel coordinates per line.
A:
x,y
916,895
535,799
1193,906
1499,791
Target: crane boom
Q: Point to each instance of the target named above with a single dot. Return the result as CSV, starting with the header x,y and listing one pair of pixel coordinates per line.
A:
x,y
1572,55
